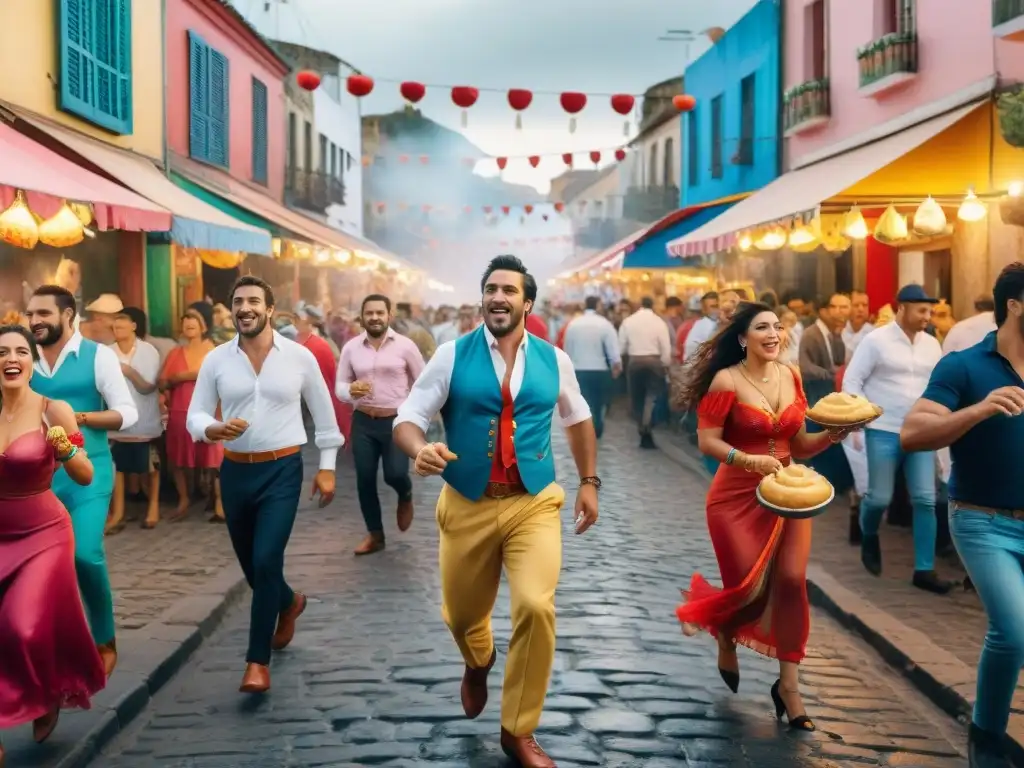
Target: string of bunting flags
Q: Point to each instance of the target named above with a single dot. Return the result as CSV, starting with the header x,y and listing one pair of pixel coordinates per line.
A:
x,y
568,158
382,207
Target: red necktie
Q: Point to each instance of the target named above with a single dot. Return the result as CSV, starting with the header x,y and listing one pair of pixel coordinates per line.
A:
x,y
507,426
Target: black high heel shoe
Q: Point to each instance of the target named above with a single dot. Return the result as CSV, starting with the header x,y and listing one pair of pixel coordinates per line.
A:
x,y
729,677
802,723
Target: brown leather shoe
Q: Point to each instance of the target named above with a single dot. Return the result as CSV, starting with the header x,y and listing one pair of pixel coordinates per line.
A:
x,y
256,679
374,542
108,654
525,751
405,511
474,688
286,622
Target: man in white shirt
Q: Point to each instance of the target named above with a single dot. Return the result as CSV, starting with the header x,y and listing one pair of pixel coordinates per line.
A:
x,y
593,347
708,325
132,449
973,329
645,337
260,379
87,376
857,326
891,368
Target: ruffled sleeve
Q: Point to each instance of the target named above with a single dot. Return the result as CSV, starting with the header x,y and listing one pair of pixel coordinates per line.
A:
x,y
714,409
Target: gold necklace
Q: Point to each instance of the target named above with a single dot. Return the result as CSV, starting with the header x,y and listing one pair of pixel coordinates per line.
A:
x,y
764,397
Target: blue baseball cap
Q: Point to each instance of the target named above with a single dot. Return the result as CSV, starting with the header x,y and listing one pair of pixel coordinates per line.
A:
x,y
914,294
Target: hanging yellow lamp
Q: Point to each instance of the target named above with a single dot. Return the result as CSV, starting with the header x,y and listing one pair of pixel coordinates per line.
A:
x,y
18,225
972,209
62,230
929,219
745,242
803,238
771,240
891,227
854,226
83,211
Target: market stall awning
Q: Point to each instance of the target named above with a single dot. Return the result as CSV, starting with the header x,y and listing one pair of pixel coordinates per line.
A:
x,y
649,252
805,189
195,224
48,180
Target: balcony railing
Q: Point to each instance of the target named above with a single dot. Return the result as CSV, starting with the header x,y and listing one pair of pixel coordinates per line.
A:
x,y
313,190
648,205
1008,19
806,106
887,62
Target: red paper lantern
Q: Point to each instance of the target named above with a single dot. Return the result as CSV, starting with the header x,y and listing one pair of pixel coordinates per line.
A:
x,y
505,209
412,91
567,159
559,207
464,97
502,162
620,155
488,209
359,85
403,159
684,102
308,80
623,104
528,209
573,103
534,160
519,99
595,157
424,159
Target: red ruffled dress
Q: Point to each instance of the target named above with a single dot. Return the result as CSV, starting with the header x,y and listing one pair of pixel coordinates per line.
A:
x,y
762,603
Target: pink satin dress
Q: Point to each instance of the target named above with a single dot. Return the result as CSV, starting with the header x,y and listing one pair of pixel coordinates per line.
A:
x,y
47,654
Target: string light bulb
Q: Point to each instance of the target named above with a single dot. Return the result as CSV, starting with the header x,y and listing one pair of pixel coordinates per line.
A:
x,y
972,209
854,226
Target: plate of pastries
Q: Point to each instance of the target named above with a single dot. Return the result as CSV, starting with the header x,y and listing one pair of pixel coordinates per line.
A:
x,y
796,492
841,409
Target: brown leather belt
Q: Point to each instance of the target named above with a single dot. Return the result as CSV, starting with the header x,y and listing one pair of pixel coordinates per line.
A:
x,y
1014,514
261,457
503,490
377,413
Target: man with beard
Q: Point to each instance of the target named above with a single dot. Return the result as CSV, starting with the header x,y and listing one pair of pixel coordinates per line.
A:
x,y
497,390
376,371
260,379
87,376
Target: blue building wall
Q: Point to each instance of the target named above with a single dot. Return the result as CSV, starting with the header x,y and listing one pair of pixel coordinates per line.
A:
x,y
751,46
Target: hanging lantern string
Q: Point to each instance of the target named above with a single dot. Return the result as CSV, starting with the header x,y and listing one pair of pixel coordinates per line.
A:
x,y
504,91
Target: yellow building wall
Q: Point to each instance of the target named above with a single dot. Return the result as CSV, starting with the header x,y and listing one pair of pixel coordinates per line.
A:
x,y
29,52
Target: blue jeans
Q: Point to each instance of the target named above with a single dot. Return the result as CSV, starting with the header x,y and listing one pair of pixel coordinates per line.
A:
x,y
992,549
595,387
884,458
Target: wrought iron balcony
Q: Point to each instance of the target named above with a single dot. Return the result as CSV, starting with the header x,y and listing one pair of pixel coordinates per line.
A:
x,y
313,190
806,106
647,205
1008,19
887,62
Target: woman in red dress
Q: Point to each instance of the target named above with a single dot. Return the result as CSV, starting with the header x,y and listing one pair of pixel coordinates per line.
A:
x,y
750,411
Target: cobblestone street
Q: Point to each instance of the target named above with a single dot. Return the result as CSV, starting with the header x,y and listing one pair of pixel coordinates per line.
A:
x,y
372,677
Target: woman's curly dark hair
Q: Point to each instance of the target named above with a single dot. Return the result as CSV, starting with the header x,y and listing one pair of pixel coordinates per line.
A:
x,y
721,351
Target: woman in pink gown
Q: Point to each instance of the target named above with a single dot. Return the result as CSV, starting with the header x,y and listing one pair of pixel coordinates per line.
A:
x,y
48,659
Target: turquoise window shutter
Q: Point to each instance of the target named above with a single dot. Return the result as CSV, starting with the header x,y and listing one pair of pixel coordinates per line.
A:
x,y
199,98
259,132
219,106
96,62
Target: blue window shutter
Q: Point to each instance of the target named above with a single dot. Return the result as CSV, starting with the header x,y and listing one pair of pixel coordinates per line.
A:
x,y
96,62
219,109
199,98
259,132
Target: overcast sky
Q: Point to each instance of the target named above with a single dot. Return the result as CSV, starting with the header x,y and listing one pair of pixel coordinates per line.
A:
x,y
595,46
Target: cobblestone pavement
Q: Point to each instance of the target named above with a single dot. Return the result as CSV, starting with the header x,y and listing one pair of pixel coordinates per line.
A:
x,y
372,677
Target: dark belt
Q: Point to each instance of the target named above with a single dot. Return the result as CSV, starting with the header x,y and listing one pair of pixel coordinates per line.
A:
x,y
377,413
503,490
261,457
1014,514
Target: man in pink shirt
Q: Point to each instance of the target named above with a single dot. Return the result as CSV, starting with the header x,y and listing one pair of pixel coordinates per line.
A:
x,y
376,371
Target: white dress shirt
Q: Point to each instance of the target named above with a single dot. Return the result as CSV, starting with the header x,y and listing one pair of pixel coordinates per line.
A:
x,y
591,343
892,372
271,402
430,392
110,381
701,332
852,338
145,359
644,334
969,332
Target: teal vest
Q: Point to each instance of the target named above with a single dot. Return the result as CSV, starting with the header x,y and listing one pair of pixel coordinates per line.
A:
x,y
75,384
473,408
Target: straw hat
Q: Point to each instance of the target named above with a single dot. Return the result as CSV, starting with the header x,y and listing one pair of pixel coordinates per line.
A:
x,y
106,304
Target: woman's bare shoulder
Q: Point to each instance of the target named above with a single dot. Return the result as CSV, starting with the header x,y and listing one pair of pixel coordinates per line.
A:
x,y
723,381
60,414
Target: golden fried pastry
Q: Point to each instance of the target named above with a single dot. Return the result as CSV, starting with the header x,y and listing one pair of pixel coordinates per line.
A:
x,y
841,408
795,487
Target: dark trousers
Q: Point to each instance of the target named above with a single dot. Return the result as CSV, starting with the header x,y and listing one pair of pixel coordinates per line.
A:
x,y
260,502
596,387
646,385
372,446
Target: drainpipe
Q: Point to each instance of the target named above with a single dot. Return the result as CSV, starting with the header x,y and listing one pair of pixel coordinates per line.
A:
x,y
780,118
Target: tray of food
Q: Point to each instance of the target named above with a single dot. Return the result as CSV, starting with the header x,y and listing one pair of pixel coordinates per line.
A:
x,y
796,492
841,410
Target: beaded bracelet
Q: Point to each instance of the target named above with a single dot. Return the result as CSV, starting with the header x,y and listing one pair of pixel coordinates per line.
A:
x,y
731,456
69,455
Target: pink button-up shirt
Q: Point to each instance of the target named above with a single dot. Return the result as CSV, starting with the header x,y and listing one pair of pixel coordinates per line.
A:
x,y
391,369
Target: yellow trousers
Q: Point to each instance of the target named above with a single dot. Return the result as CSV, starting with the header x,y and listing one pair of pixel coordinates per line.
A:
x,y
523,533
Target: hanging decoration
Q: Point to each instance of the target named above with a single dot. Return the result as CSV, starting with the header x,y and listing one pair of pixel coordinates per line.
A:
x,y
62,230
528,209
891,227
573,103
854,226
623,104
620,154
559,207
972,209
519,99
84,213
684,102
412,91
929,219
464,97
534,160
359,85
17,224
567,159
505,209
595,157
502,162
308,80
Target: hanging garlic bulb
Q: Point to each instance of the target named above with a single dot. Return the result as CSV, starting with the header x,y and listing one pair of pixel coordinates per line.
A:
x,y
62,230
929,219
891,227
18,225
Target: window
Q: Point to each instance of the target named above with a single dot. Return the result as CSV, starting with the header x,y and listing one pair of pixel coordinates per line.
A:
x,y
668,163
259,132
815,41
748,96
892,16
716,137
209,94
293,149
692,149
96,62
324,159
307,147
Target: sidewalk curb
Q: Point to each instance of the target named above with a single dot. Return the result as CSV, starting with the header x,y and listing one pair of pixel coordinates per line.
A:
x,y
937,674
149,658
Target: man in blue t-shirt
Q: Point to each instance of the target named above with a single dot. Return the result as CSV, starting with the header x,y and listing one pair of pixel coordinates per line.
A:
x,y
972,405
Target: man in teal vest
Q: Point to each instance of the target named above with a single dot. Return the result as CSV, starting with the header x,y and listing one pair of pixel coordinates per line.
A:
x,y
497,389
88,377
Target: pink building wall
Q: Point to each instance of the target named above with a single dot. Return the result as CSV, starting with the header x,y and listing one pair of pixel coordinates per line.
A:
x,y
248,58
956,50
